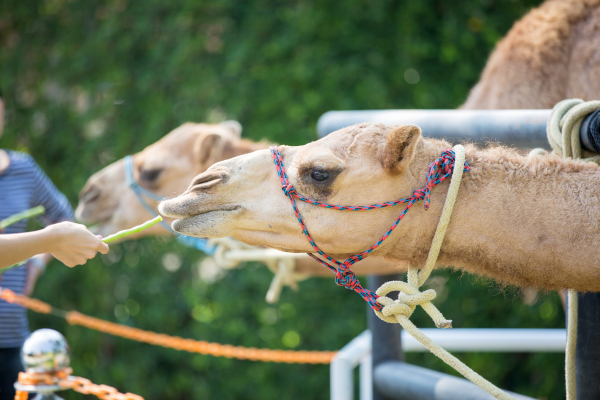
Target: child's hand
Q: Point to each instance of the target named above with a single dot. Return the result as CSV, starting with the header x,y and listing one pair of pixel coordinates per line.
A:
x,y
74,244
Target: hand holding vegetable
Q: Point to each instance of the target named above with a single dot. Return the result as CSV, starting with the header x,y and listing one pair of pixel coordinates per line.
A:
x,y
73,244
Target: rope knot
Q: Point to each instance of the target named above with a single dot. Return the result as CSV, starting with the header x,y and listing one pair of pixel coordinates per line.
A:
x,y
423,194
408,299
345,277
420,194
288,189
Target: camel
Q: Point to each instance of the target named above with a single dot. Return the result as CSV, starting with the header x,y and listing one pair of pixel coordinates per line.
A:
x,y
530,222
162,168
166,168
551,54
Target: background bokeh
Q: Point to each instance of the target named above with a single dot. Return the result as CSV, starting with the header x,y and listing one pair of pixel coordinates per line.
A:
x,y
88,82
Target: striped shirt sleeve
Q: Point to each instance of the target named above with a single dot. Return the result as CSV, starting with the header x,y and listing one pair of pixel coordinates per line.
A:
x,y
46,194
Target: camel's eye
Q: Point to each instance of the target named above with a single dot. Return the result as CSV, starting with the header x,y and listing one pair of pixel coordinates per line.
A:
x,y
319,175
149,175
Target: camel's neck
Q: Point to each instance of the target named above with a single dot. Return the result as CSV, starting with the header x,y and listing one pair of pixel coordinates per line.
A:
x,y
526,222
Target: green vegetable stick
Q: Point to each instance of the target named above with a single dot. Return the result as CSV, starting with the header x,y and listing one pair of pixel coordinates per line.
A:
x,y
133,230
36,211
13,219
3,270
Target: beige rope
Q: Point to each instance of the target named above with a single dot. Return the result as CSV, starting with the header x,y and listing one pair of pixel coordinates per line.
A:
x,y
399,311
571,346
230,253
222,247
563,128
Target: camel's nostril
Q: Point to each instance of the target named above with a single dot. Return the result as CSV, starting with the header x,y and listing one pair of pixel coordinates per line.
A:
x,y
90,194
204,184
208,179
203,178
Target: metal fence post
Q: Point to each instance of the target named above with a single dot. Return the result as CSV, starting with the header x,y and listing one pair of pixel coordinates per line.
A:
x,y
386,344
587,358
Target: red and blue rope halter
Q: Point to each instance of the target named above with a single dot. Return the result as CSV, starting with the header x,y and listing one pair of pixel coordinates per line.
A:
x,y
438,171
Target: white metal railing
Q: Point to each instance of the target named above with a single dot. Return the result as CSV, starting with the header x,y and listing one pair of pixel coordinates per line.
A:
x,y
358,351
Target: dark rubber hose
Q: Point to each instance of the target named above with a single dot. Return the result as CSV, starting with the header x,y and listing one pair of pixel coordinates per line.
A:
x,y
590,129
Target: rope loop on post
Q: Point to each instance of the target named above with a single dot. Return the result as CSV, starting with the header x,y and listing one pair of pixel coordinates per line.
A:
x,y
563,128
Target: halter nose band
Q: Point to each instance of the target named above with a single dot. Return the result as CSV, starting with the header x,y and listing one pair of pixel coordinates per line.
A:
x,y
438,171
140,192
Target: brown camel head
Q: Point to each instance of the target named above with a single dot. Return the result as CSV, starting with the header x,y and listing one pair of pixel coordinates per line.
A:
x,y
164,168
359,165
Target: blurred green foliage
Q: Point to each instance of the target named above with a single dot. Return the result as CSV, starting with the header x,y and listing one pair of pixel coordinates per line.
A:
x,y
88,82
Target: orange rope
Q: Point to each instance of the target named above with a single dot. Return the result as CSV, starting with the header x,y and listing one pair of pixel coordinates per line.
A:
x,y
35,305
104,392
21,395
66,381
174,342
49,378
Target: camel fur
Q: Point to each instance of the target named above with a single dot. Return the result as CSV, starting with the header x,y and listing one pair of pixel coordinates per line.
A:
x,y
529,222
551,54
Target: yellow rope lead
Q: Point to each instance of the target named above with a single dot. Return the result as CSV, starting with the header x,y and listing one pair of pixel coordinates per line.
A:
x,y
571,346
400,310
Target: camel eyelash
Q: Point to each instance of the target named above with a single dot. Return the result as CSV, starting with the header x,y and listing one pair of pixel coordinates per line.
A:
x,y
318,175
149,175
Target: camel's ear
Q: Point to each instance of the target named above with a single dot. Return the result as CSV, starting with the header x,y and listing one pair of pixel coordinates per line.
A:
x,y
234,126
207,148
399,148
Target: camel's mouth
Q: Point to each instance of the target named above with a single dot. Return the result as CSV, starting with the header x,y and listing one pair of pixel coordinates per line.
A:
x,y
103,229
90,216
204,224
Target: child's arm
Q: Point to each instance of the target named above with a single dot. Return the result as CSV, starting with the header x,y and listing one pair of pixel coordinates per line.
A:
x,y
71,243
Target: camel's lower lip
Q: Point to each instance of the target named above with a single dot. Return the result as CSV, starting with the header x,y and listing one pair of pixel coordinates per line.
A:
x,y
178,224
102,229
94,228
97,226
204,224
89,215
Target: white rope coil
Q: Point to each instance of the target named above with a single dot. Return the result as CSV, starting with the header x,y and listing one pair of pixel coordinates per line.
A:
x,y
231,253
563,128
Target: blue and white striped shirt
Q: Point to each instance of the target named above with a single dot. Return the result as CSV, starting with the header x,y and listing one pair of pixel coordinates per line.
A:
x,y
24,185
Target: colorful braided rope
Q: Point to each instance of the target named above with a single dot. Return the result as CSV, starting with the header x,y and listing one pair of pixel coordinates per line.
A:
x,y
438,171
